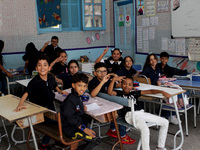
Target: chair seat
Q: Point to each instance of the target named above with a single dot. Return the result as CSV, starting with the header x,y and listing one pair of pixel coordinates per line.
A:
x,y
171,108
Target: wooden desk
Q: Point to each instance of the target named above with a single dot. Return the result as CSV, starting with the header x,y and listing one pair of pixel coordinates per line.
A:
x,y
173,92
106,113
24,82
9,102
188,84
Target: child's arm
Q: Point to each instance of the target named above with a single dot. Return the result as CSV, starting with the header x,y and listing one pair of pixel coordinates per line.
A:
x,y
165,94
54,62
61,92
102,55
110,88
45,45
26,64
95,91
4,70
20,105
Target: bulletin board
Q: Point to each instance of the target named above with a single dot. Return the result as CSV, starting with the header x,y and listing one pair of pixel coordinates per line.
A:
x,y
154,31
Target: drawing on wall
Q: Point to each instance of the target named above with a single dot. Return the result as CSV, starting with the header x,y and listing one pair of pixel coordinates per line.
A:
x,y
163,6
185,64
140,7
88,40
128,20
121,20
150,8
97,36
176,4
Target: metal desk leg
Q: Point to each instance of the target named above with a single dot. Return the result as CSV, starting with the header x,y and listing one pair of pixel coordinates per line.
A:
x,y
180,128
116,126
33,133
5,135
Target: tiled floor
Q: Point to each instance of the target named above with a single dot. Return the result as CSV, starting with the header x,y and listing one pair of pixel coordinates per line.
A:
x,y
192,142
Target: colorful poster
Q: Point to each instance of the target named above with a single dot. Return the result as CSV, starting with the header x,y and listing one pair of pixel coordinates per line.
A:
x,y
128,20
121,20
140,7
163,6
150,7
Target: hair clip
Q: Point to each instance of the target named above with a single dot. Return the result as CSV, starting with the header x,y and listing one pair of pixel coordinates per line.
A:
x,y
116,49
150,53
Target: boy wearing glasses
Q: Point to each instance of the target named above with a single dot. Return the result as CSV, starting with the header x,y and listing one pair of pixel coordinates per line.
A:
x,y
101,80
51,50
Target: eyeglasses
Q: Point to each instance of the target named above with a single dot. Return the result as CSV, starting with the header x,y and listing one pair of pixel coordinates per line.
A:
x,y
104,71
54,41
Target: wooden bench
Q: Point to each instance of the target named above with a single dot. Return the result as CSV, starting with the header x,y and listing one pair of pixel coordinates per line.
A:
x,y
54,131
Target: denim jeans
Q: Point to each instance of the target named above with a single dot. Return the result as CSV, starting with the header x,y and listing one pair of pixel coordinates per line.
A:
x,y
122,129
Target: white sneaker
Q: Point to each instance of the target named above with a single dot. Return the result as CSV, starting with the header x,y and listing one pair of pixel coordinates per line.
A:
x,y
173,120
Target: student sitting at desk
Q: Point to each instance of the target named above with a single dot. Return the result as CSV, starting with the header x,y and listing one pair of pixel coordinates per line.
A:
x,y
67,77
73,117
127,68
151,69
141,117
58,65
2,69
166,70
40,91
100,83
114,63
30,58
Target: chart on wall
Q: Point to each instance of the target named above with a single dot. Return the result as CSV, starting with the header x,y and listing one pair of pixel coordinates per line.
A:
x,y
154,32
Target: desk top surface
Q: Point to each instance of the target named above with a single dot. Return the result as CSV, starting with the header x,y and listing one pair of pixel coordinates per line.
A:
x,y
9,102
188,83
105,105
171,91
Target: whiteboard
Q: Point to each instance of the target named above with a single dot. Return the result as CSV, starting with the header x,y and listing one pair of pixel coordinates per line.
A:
x,y
186,18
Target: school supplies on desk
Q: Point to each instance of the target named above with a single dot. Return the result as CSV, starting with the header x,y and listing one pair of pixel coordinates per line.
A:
x,y
85,97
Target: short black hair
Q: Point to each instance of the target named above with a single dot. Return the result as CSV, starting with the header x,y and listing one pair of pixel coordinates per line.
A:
x,y
54,37
164,54
129,77
80,77
60,52
116,49
43,57
99,65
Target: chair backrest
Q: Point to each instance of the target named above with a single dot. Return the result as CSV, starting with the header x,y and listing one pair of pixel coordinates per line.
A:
x,y
142,79
137,66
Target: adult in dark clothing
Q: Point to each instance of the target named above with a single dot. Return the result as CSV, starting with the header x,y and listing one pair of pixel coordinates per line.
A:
x,y
127,69
114,63
73,117
3,71
51,50
166,70
30,57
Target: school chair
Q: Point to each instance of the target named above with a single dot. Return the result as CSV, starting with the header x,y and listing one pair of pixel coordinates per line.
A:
x,y
137,66
181,110
128,103
5,134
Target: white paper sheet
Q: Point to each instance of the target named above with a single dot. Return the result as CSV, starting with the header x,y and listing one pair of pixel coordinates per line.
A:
x,y
92,106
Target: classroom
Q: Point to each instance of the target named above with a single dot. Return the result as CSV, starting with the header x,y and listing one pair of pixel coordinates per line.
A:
x,y
85,36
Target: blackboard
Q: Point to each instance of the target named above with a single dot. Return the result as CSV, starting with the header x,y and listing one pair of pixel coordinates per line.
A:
x,y
185,18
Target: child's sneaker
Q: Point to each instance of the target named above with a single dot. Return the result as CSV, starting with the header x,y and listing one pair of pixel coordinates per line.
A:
x,y
127,140
173,120
112,133
44,147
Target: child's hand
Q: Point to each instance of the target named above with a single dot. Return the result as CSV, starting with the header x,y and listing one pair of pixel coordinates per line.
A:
x,y
46,44
106,50
58,59
119,79
19,108
167,95
113,74
106,78
59,80
64,93
90,132
85,108
9,75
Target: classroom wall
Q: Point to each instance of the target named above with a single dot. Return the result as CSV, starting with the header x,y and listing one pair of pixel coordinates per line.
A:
x,y
18,27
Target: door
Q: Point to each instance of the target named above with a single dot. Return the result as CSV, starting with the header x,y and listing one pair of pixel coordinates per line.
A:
x,y
124,26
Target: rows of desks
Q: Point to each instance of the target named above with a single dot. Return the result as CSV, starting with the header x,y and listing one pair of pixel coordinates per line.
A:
x,y
101,102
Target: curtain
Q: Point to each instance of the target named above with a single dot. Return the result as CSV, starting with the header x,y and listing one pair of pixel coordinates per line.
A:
x,y
49,13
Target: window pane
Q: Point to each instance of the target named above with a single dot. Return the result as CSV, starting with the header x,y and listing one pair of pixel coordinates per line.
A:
x,y
75,16
88,10
88,21
97,10
74,1
97,21
65,17
88,1
97,1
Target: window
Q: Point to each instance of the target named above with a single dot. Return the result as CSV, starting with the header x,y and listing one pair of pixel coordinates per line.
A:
x,y
91,16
